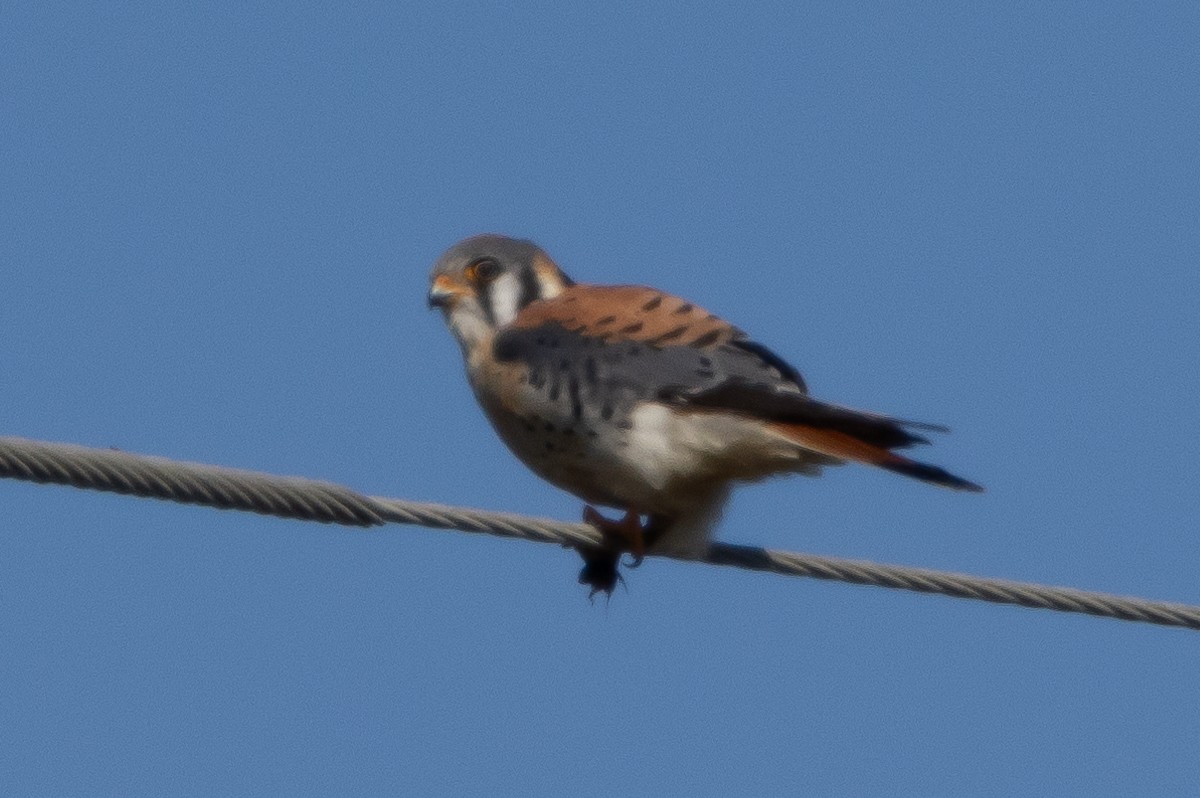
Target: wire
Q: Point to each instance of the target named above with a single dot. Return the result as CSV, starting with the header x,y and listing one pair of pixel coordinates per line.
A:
x,y
312,500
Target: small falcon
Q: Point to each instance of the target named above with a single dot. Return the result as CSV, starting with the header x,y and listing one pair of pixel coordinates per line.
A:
x,y
635,399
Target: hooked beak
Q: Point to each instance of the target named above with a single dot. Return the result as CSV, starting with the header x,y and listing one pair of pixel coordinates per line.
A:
x,y
443,293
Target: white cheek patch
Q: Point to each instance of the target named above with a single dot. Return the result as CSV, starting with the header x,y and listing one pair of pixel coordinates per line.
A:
x,y
471,330
505,296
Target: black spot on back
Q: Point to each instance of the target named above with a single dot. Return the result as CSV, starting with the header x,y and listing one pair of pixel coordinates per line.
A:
x,y
573,392
669,335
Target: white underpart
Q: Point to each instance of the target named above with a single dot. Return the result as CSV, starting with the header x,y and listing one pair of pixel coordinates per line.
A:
x,y
667,447
670,448
691,533
694,457
505,295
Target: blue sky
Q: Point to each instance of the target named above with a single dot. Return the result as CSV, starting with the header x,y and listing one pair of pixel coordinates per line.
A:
x,y
216,226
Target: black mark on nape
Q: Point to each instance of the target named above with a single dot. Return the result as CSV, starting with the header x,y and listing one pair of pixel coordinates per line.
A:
x,y
686,307
708,339
653,303
530,288
669,335
630,329
605,321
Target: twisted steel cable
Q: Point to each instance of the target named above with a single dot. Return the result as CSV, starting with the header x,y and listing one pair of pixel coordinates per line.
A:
x,y
313,500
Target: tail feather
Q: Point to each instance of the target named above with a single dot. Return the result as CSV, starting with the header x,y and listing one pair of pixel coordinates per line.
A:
x,y
796,408
845,446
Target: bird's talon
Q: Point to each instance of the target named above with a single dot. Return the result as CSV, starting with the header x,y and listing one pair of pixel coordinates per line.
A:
x,y
624,535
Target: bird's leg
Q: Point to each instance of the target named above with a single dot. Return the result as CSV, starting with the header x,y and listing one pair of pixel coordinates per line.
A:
x,y
652,531
600,563
624,535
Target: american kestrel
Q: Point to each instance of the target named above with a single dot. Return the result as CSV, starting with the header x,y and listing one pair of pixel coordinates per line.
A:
x,y
632,398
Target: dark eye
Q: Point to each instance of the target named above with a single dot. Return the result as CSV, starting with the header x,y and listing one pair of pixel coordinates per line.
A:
x,y
481,271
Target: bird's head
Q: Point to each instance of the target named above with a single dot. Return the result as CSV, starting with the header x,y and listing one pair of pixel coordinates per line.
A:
x,y
482,282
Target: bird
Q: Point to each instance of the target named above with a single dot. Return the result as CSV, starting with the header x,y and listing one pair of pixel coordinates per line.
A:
x,y
635,399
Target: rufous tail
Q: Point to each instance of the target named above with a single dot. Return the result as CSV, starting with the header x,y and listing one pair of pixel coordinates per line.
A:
x,y
844,446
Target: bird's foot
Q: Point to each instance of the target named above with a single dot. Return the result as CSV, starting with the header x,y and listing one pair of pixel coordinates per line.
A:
x,y
628,534
600,563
